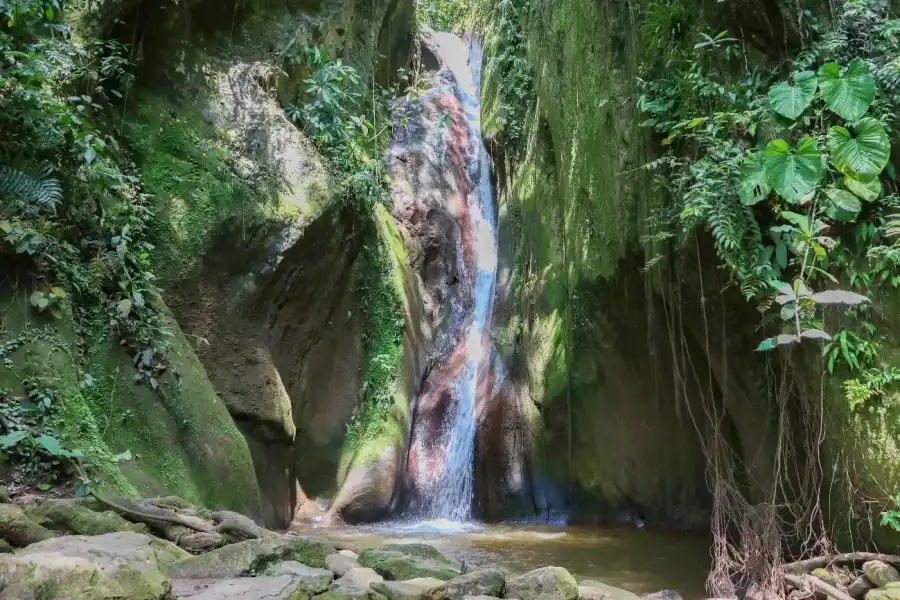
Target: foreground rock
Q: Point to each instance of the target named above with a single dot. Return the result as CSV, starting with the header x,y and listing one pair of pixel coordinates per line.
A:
x,y
358,578
350,593
314,581
251,557
487,582
547,583
18,529
399,562
113,566
880,573
597,590
340,563
280,587
425,588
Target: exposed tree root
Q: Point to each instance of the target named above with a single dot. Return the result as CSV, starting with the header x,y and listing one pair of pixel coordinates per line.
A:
x,y
143,512
847,558
817,585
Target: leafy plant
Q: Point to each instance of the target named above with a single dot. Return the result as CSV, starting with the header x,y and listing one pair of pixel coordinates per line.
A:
x,y
891,517
790,98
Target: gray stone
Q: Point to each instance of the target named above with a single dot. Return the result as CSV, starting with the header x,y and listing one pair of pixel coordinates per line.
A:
x,y
314,581
891,593
350,593
547,583
425,588
349,554
359,578
859,586
250,557
104,567
880,573
416,560
663,595
340,563
487,582
485,598
280,587
597,590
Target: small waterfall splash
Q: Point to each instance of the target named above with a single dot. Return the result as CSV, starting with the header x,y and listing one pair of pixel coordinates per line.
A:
x,y
443,454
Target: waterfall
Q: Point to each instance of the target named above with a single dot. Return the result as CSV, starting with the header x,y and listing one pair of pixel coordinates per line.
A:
x,y
446,488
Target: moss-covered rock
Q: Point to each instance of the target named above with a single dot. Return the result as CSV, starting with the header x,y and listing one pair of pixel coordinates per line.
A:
x,y
350,593
252,557
65,515
277,587
398,566
485,582
314,581
427,588
880,573
107,567
17,528
547,583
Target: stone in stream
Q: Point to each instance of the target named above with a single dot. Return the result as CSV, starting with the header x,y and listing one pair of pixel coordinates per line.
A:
x,y
547,583
340,563
251,557
663,595
105,567
18,529
423,588
279,587
400,562
597,590
314,581
880,573
859,586
487,582
359,578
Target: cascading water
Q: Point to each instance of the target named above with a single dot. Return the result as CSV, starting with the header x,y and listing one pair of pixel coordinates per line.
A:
x,y
445,485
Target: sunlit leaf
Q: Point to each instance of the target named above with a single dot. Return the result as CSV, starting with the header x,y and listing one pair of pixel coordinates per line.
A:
x,y
793,171
850,93
839,297
868,191
863,153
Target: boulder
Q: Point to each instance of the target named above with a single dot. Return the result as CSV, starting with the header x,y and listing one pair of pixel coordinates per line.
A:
x,y
18,529
547,583
106,567
5,547
315,581
251,557
65,515
425,588
280,587
597,590
880,573
487,582
350,593
399,566
349,553
663,595
859,586
340,563
890,593
485,598
359,578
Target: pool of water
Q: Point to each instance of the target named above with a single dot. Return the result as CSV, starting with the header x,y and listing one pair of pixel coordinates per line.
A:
x,y
640,561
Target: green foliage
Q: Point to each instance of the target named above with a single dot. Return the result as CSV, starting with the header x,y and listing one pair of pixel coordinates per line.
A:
x,y
793,171
891,517
790,98
442,15
850,92
862,154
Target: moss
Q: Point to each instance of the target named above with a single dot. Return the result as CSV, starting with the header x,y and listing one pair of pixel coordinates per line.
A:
x,y
381,293
186,165
67,516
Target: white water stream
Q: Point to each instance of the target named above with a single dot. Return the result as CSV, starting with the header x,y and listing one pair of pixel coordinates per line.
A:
x,y
449,501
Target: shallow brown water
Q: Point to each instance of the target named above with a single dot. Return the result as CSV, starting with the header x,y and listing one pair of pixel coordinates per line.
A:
x,y
639,561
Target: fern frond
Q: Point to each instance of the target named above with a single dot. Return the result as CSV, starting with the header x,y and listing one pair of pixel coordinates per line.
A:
x,y
28,193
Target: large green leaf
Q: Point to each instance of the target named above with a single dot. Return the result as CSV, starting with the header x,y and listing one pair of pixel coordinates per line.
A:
x,y
864,154
793,172
791,99
754,186
849,94
843,206
868,191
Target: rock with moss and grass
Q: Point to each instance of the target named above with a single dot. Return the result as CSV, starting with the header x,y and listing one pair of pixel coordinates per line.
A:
x,y
547,583
252,557
398,562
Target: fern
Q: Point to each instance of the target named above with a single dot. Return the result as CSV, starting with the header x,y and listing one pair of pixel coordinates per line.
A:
x,y
28,194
